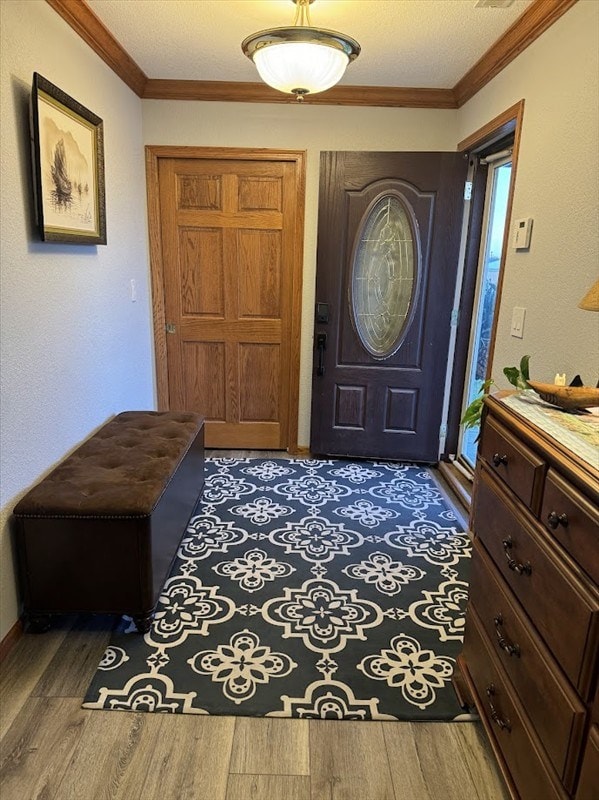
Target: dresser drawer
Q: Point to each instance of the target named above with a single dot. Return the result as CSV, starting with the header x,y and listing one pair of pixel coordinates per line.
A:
x,y
573,521
504,718
564,610
514,463
551,704
588,784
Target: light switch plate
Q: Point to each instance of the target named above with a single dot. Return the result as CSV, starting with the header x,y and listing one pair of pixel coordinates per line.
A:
x,y
517,328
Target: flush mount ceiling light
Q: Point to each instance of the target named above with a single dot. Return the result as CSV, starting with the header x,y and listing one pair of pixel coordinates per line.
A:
x,y
300,60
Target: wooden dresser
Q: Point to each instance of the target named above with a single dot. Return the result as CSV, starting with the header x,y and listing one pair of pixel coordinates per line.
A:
x,y
530,654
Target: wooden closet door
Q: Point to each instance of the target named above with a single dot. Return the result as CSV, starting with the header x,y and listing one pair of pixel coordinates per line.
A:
x,y
228,233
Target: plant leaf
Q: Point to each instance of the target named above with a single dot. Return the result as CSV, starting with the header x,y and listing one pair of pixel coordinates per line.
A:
x,y
524,368
512,374
472,414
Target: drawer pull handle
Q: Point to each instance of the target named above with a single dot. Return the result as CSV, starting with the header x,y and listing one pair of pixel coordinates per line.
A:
x,y
554,519
503,724
499,460
515,566
510,649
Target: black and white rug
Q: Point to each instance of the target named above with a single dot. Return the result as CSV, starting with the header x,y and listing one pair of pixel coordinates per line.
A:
x,y
303,588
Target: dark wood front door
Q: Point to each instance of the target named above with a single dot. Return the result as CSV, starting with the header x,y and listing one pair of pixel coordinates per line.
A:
x,y
388,240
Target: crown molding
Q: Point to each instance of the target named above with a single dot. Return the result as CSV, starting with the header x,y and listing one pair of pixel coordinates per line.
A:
x,y
235,92
539,16
92,30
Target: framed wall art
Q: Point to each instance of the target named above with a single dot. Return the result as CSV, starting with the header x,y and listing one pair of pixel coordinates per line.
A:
x,y
68,166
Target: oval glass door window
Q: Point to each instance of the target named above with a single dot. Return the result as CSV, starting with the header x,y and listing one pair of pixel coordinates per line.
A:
x,y
383,275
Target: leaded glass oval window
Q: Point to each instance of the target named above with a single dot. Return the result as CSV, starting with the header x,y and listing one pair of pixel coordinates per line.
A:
x,y
383,275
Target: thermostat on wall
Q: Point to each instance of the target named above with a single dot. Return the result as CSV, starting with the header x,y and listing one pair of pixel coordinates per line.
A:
x,y
522,233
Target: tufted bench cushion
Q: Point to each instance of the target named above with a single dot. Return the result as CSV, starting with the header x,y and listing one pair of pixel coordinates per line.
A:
x,y
100,532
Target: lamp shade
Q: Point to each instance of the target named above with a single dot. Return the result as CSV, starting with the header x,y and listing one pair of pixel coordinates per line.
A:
x,y
590,302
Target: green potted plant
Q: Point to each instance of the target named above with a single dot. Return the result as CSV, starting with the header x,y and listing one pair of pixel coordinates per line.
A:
x,y
518,377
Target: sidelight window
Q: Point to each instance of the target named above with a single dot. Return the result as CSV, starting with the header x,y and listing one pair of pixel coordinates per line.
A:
x,y
498,185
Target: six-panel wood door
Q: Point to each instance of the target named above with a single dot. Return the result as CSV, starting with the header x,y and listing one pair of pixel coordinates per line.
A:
x,y
383,321
228,236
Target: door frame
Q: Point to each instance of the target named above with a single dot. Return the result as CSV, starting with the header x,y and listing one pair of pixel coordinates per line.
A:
x,y
296,157
506,123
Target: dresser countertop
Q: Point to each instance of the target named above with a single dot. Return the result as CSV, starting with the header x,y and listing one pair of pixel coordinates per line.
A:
x,y
579,433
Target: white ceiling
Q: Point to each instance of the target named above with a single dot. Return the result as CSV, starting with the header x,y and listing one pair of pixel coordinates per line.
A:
x,y
411,43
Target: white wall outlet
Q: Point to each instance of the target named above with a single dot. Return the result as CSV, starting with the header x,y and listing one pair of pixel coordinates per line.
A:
x,y
522,231
517,328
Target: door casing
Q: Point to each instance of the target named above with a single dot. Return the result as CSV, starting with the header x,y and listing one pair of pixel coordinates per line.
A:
x,y
297,157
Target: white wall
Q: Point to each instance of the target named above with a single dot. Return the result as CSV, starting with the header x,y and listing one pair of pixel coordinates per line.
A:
x,y
299,127
557,185
74,349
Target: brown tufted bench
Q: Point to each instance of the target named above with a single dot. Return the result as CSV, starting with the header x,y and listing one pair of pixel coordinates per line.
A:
x,y
100,532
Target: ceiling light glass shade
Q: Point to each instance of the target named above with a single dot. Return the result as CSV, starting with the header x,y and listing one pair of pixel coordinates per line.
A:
x,y
300,66
300,60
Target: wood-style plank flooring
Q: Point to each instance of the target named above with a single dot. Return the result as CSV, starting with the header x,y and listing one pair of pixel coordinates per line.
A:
x,y
52,749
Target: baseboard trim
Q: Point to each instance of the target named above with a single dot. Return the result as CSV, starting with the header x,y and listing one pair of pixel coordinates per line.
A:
x,y
10,640
458,483
299,451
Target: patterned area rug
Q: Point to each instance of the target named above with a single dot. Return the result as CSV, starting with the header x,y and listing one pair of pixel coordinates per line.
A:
x,y
303,588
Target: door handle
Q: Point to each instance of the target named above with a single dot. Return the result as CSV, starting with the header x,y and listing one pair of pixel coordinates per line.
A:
x,y
321,346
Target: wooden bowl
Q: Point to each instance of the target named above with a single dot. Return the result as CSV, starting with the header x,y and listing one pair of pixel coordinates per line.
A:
x,y
566,397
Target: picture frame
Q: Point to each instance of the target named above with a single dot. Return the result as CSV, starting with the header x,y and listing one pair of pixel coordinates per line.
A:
x,y
67,142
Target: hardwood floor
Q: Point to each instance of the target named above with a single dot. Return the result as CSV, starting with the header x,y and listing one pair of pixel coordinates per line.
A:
x,y
52,749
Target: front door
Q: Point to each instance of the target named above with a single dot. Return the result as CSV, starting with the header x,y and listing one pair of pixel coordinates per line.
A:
x,y
231,255
388,241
